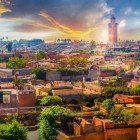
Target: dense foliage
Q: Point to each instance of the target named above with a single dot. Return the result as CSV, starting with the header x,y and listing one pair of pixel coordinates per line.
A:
x,y
39,73
16,63
120,116
40,55
27,119
73,72
13,131
52,119
108,104
51,100
117,82
78,61
18,82
99,114
111,91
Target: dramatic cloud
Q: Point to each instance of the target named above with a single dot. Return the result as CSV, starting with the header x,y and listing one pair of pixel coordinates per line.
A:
x,y
66,30
84,19
4,10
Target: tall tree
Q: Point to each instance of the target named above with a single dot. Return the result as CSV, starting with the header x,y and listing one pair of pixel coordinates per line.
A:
x,y
9,46
16,63
40,55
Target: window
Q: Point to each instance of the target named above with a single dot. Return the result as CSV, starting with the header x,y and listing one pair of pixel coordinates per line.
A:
x,y
4,97
1,97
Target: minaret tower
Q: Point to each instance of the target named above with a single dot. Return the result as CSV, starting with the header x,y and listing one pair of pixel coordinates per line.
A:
x,y
113,30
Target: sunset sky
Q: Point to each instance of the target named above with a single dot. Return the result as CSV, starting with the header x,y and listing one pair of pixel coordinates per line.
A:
x,y
74,19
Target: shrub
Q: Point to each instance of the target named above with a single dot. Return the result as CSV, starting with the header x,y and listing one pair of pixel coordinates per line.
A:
x,y
39,73
51,100
120,116
108,104
40,55
99,114
27,119
16,63
72,72
52,119
13,131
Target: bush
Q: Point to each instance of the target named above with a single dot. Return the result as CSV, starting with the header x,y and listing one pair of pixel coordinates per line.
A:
x,y
28,119
52,119
39,73
13,131
51,100
99,114
40,55
72,72
120,116
108,104
16,63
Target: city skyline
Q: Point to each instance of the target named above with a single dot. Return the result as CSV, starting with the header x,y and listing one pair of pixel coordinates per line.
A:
x,y
84,19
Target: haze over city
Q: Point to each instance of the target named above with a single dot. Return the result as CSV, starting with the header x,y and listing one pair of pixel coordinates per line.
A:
x,y
53,19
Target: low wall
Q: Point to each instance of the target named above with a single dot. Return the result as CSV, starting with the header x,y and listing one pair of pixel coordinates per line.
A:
x,y
91,136
121,134
138,134
110,134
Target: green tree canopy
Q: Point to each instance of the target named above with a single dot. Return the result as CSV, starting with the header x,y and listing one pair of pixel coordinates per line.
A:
x,y
40,55
18,82
135,90
16,63
51,100
120,116
39,73
78,61
108,104
13,131
52,119
71,72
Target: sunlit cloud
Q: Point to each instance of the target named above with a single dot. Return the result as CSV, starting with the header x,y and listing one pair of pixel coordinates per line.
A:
x,y
84,19
64,29
4,10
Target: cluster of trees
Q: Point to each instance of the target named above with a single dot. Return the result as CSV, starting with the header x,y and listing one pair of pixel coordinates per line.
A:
x,y
53,119
111,91
13,131
18,82
40,55
40,73
78,61
108,104
73,72
51,100
117,115
120,116
118,82
16,63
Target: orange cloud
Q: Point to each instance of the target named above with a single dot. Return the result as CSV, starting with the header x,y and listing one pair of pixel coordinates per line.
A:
x,y
4,10
64,29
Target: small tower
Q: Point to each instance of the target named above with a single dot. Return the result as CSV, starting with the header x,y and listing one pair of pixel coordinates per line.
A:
x,y
113,30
